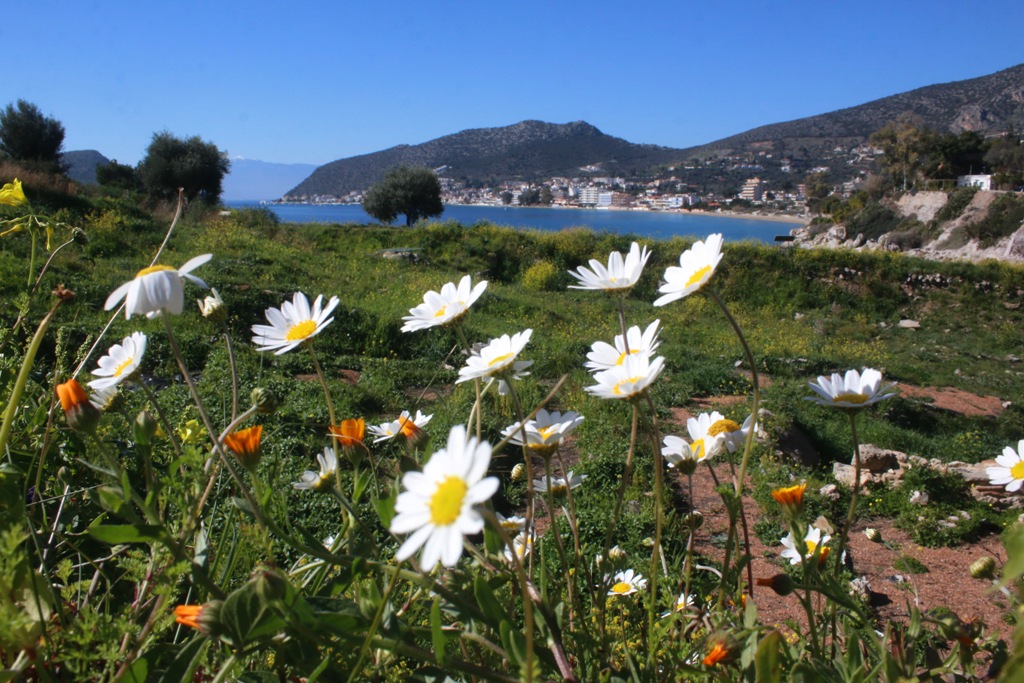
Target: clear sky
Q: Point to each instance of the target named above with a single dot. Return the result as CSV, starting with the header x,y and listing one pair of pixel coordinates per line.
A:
x,y
311,82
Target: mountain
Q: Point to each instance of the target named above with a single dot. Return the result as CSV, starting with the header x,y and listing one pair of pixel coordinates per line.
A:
x,y
779,152
253,179
82,165
529,150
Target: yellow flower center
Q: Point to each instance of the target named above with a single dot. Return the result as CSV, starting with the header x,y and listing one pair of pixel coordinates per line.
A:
x,y
558,489
721,426
446,503
851,398
811,545
698,276
545,432
301,331
153,269
120,368
440,312
697,448
617,389
500,359
621,588
509,524
624,354
1017,471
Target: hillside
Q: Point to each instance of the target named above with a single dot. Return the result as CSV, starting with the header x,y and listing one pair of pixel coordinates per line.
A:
x,y
527,150
82,165
780,152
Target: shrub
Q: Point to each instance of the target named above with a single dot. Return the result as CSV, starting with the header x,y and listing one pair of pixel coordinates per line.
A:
x,y
543,276
955,204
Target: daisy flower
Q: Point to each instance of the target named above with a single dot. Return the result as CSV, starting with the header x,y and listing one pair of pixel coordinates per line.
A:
x,y
1010,470
496,358
604,356
318,481
515,523
704,441
120,363
855,390
212,307
157,289
444,307
81,414
522,544
696,266
683,602
734,435
246,445
812,539
559,485
626,583
677,453
628,380
293,323
544,432
406,425
349,433
619,276
438,504
103,399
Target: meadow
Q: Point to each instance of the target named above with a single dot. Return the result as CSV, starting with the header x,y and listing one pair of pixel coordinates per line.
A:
x,y
147,544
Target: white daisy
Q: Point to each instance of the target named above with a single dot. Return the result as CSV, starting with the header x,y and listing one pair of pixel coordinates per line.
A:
x,y
628,380
812,539
620,275
212,307
1010,470
545,431
696,266
626,583
855,390
604,356
293,323
120,363
322,479
704,441
444,307
677,453
438,504
522,545
103,399
559,485
498,357
157,289
734,435
515,523
683,603
408,426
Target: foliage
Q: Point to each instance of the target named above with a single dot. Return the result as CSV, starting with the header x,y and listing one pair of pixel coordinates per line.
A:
x,y
118,176
955,205
414,192
194,165
1005,216
30,137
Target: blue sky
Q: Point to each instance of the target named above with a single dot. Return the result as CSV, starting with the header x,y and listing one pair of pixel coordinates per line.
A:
x,y
318,81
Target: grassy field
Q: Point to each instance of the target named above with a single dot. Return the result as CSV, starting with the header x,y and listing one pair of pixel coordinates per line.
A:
x,y
804,313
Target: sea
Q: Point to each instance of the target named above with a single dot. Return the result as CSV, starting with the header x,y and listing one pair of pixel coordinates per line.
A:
x,y
652,224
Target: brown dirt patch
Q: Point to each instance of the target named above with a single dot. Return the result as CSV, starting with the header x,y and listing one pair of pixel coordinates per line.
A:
x,y
956,400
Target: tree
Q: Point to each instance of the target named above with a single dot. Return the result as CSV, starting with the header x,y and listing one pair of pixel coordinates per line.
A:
x,y
414,192
196,166
903,142
26,135
117,176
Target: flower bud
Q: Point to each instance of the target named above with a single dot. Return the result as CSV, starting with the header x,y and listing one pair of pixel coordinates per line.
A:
x,y
519,472
80,237
213,307
873,535
204,618
264,400
144,428
616,553
270,586
81,414
782,584
695,519
983,568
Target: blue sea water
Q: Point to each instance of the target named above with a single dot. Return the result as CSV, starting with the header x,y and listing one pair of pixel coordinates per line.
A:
x,y
643,223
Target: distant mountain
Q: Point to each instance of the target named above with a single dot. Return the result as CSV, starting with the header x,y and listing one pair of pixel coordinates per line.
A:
x,y
780,152
252,179
82,165
528,150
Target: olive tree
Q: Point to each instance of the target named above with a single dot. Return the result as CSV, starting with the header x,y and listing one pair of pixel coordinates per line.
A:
x,y
196,166
413,192
28,136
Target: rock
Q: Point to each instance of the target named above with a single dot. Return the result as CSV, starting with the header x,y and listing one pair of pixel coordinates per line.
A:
x,y
843,473
877,460
829,491
1015,245
795,445
909,324
797,315
972,474
919,498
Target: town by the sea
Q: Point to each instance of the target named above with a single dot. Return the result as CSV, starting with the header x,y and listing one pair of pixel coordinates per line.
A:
x,y
653,224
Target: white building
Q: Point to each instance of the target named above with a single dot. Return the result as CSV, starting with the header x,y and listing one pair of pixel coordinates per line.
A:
x,y
982,182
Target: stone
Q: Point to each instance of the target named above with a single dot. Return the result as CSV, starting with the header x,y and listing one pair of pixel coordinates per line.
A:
x,y
877,460
910,324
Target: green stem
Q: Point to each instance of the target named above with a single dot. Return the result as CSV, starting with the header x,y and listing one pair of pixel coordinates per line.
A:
x,y
327,396
14,402
234,372
852,513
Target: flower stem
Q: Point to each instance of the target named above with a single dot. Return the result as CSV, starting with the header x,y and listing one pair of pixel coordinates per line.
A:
x,y
327,395
852,513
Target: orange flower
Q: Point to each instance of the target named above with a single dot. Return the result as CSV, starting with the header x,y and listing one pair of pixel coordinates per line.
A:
x,y
791,498
245,444
350,433
782,584
82,416
719,653
411,431
204,618
188,615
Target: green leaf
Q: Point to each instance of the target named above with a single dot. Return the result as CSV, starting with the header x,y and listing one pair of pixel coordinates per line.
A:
x,y
183,668
436,633
767,661
485,599
136,673
1014,543
246,617
514,643
385,509
115,534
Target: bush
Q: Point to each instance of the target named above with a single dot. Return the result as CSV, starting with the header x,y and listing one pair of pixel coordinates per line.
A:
x,y
543,276
1004,218
955,204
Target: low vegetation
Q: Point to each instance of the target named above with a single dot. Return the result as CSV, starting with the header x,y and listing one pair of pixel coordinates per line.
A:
x,y
148,545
